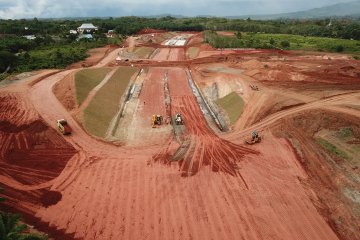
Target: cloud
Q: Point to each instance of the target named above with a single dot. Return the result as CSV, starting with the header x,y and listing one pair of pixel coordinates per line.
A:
x,y
88,8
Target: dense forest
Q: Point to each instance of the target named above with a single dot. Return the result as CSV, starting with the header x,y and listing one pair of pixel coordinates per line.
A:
x,y
55,47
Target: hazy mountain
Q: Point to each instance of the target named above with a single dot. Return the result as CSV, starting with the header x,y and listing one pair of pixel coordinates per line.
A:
x,y
351,9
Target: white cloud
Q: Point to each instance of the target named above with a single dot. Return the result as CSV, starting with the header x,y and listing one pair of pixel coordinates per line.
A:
x,y
82,8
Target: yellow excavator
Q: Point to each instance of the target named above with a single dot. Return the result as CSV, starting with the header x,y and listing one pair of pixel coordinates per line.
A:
x,y
255,138
156,120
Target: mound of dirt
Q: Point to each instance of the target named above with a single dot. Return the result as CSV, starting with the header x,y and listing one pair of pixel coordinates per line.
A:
x,y
252,64
64,90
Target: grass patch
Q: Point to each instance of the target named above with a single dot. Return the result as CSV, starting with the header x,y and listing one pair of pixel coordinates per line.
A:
x,y
193,52
296,42
332,148
233,104
86,80
105,104
144,52
345,133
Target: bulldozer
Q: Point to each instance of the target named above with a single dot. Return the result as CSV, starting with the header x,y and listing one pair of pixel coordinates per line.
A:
x,y
63,126
255,138
255,88
179,119
156,120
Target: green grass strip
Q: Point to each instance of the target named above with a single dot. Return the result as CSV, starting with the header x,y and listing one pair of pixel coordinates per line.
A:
x,y
105,104
233,104
86,80
332,148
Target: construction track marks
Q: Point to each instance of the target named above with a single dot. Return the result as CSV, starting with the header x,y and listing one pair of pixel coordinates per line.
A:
x,y
206,148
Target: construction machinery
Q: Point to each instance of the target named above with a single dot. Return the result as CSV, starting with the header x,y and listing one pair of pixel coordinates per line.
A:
x,y
179,119
255,88
255,138
156,120
63,127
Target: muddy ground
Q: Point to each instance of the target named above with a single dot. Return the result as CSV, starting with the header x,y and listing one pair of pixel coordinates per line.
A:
x,y
193,181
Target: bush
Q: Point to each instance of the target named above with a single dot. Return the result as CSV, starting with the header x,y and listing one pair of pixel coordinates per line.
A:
x,y
7,59
339,48
285,44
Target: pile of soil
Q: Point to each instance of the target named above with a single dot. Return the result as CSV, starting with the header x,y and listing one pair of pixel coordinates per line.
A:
x,y
64,90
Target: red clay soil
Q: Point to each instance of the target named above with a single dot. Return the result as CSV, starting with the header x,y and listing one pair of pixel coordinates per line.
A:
x,y
152,95
333,179
95,56
205,147
111,192
150,30
31,153
64,90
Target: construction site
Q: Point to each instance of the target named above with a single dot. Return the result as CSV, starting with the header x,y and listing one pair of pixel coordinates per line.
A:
x,y
169,138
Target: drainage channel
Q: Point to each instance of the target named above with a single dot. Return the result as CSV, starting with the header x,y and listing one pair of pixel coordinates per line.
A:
x,y
204,105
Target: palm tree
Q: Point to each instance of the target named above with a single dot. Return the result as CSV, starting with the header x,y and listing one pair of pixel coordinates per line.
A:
x,y
11,229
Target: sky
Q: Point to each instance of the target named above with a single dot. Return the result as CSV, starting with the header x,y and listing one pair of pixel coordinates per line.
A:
x,y
16,9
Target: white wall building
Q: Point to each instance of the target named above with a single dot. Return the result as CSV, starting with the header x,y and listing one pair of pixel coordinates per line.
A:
x,y
87,27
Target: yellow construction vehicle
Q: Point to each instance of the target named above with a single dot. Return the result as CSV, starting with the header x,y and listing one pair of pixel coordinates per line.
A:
x,y
63,126
255,138
156,120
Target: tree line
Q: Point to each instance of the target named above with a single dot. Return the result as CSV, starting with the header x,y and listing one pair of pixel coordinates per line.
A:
x,y
55,47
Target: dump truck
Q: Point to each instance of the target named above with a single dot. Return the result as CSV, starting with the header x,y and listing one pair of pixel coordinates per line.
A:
x,y
63,127
255,138
179,119
156,120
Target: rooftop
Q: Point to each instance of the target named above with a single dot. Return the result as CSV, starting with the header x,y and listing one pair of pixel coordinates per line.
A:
x,y
88,26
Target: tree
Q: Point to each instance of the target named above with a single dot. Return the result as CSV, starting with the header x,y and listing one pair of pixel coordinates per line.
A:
x,y
285,44
7,60
11,229
339,48
238,35
272,41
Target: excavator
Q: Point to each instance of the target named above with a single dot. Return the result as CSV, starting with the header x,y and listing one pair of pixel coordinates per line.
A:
x,y
255,138
156,120
179,119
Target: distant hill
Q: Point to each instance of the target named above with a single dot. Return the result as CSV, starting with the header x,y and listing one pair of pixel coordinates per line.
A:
x,y
349,9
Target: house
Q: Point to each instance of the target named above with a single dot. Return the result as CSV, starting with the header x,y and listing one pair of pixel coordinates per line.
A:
x,y
87,28
73,32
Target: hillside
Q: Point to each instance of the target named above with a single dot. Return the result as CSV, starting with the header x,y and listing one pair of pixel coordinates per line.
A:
x,y
351,9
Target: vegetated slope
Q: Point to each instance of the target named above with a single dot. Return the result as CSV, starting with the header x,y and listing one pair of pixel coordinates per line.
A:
x,y
106,102
233,105
86,80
